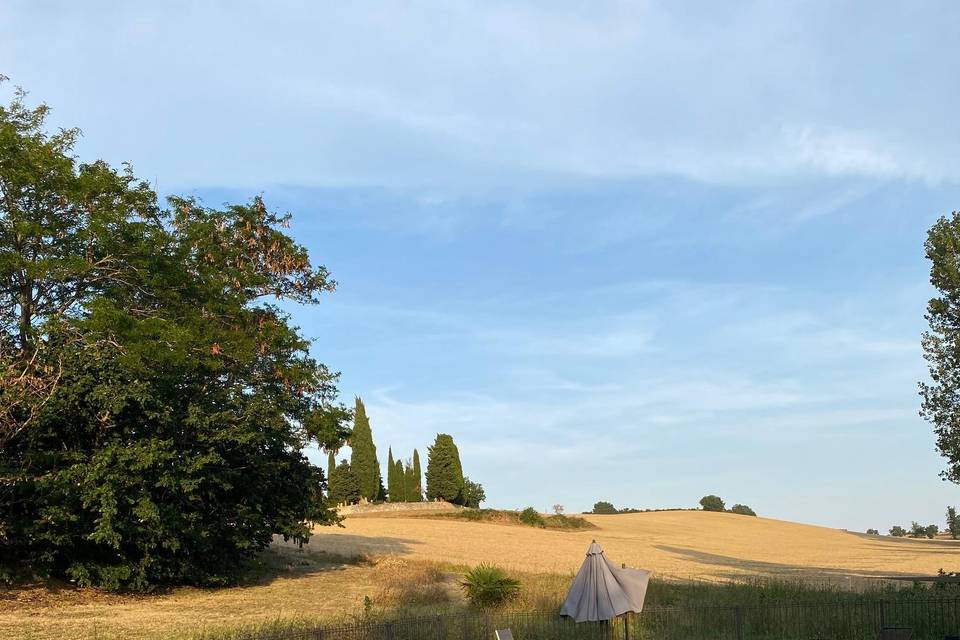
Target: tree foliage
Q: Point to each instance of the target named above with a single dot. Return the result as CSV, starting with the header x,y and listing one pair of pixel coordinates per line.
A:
x,y
415,488
473,493
953,523
363,457
604,507
154,408
743,510
532,517
897,531
712,503
400,474
444,472
344,486
392,493
331,466
941,343
409,483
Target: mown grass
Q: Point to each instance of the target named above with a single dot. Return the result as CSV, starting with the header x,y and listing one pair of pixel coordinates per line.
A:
x,y
425,591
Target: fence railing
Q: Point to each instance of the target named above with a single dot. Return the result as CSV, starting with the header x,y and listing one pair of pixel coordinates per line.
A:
x,y
929,619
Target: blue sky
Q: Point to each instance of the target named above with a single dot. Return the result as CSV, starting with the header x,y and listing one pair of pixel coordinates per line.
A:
x,y
632,251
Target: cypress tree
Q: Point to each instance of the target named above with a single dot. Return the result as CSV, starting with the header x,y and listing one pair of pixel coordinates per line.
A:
x,y
363,458
391,477
398,474
344,488
417,478
331,468
409,483
444,472
381,490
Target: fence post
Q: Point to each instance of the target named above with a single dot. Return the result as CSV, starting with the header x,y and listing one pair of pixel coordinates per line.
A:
x,y
882,607
388,631
738,616
626,626
486,626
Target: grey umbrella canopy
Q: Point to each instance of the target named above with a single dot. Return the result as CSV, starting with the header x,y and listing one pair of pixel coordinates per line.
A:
x,y
603,591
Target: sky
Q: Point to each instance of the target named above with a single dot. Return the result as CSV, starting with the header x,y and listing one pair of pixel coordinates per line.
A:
x,y
626,251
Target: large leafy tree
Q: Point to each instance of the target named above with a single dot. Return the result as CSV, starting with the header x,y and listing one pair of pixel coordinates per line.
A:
x,y
363,455
154,408
941,343
712,503
444,471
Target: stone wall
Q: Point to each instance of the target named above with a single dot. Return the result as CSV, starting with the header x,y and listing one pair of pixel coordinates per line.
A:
x,y
396,507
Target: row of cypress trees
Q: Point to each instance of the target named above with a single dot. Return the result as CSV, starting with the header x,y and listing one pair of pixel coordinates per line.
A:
x,y
360,478
404,481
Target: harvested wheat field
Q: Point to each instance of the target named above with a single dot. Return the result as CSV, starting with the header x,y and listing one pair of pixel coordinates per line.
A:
x,y
684,544
398,561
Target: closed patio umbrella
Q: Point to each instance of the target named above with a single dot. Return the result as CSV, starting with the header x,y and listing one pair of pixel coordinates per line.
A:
x,y
603,591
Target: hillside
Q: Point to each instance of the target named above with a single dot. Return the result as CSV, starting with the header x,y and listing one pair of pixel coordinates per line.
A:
x,y
322,581
683,544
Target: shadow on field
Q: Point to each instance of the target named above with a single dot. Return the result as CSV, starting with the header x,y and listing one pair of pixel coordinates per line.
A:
x,y
915,545
323,554
774,569
348,545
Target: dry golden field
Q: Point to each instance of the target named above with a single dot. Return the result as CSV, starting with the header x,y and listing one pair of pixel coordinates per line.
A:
x,y
406,562
684,544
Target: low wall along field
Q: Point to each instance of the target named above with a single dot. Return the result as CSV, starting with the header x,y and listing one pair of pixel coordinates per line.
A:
x,y
399,508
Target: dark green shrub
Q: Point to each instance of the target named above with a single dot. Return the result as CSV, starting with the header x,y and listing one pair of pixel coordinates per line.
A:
x,y
743,510
473,493
872,532
897,531
488,586
604,507
561,521
532,517
712,503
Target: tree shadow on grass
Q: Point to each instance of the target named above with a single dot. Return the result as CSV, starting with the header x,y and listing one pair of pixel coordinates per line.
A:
x,y
322,554
281,561
913,545
774,569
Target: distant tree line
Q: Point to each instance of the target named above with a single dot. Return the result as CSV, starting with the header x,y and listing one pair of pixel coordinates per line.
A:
x,y
715,503
360,480
707,503
917,530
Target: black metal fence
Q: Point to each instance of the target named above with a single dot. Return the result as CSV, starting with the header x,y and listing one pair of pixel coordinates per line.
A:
x,y
929,619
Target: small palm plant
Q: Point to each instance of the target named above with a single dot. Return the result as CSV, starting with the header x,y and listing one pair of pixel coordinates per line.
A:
x,y
487,586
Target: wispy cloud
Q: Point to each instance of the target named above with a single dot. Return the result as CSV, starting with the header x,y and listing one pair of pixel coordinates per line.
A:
x,y
485,95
